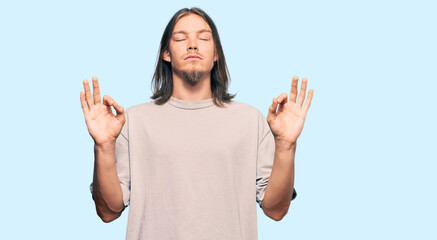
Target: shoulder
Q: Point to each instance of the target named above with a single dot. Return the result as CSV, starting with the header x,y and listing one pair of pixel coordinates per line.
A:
x,y
252,117
241,106
141,107
245,109
138,111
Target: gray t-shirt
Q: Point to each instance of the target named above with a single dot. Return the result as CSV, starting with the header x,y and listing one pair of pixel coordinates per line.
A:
x,y
191,170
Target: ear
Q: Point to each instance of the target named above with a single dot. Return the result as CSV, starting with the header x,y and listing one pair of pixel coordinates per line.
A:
x,y
215,55
166,56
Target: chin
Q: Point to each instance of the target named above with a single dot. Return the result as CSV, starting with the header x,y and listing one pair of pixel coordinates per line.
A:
x,y
192,67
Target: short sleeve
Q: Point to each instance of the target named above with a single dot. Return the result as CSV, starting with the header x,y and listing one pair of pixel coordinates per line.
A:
x,y
265,158
122,162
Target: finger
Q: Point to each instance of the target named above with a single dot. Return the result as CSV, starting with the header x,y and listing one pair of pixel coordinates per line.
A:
x,y
88,97
293,92
96,91
108,101
282,99
118,109
302,92
272,109
308,101
83,103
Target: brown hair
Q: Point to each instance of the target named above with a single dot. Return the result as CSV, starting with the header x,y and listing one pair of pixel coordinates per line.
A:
x,y
163,77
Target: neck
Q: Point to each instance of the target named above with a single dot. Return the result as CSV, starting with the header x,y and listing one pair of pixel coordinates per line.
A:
x,y
184,91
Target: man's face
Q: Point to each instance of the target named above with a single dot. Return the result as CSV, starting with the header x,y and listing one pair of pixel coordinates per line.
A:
x,y
191,49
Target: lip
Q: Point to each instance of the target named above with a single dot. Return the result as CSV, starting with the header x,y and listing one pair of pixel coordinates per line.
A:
x,y
192,57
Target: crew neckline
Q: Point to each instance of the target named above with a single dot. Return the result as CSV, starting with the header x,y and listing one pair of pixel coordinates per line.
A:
x,y
190,105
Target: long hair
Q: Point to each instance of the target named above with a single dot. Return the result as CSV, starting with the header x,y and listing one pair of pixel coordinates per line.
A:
x,y
162,81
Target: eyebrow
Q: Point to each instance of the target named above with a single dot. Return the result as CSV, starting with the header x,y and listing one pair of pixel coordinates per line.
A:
x,y
200,31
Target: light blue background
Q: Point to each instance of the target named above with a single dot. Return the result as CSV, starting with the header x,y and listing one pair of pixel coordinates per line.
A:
x,y
365,163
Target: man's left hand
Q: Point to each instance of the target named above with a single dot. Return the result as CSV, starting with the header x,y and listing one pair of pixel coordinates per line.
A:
x,y
286,121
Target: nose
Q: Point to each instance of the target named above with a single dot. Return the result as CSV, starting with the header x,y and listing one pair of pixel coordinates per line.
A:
x,y
192,45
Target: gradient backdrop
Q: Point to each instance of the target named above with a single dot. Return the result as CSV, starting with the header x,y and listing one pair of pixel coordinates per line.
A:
x,y
366,161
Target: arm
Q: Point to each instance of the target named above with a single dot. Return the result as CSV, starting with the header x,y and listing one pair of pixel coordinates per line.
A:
x,y
286,123
107,193
280,187
104,128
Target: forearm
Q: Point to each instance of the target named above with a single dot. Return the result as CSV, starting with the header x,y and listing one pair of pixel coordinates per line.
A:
x,y
107,193
280,186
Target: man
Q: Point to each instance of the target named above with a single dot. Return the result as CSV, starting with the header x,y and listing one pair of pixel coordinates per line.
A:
x,y
190,163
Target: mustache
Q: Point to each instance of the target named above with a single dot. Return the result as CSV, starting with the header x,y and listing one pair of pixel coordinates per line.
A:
x,y
193,55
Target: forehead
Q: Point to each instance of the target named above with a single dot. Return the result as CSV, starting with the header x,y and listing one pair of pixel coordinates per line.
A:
x,y
191,23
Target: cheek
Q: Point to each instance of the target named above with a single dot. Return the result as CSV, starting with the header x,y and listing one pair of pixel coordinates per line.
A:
x,y
209,50
175,56
175,50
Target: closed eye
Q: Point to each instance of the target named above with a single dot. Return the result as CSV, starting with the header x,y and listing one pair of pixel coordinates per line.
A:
x,y
179,40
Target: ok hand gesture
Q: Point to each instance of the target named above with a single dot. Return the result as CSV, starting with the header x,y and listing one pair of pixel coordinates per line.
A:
x,y
102,125
286,122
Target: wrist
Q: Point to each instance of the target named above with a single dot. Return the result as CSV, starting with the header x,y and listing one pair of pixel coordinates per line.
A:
x,y
104,145
285,144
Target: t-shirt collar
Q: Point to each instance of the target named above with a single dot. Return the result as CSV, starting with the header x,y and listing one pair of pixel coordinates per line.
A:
x,y
190,105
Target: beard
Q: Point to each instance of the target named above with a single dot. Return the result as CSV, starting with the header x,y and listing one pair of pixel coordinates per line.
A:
x,y
192,77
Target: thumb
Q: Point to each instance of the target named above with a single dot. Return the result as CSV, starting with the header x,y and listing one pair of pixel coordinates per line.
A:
x,y
108,101
119,110
272,110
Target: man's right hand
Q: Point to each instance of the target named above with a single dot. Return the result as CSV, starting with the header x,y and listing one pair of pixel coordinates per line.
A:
x,y
102,125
